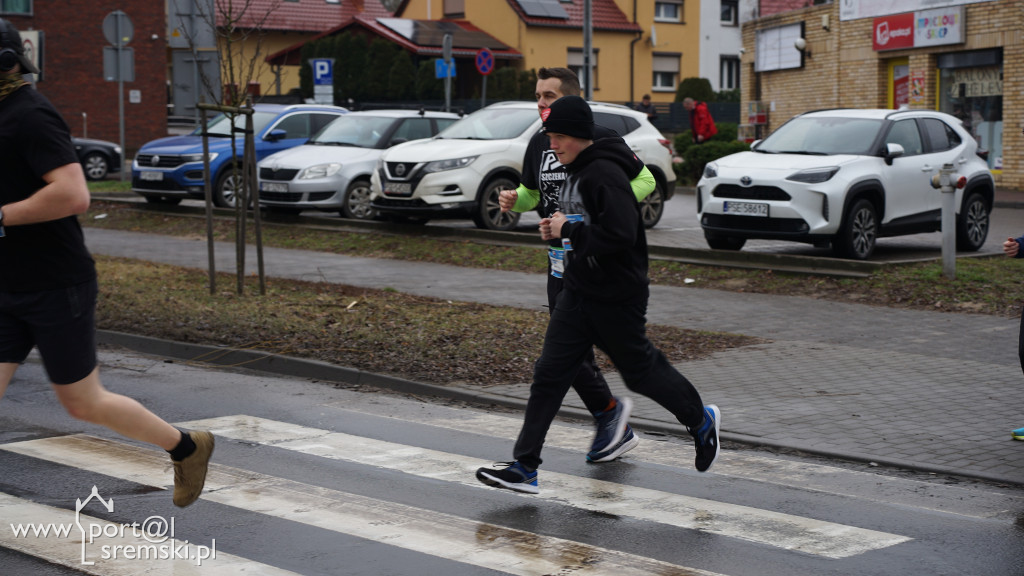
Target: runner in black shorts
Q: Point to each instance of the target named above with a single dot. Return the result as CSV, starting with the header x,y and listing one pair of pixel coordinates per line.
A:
x,y
48,284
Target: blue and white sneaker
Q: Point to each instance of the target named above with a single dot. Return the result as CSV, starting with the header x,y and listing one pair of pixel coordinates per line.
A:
x,y
705,438
1018,434
628,442
611,426
514,477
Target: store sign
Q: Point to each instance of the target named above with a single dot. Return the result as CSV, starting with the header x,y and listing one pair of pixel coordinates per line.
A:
x,y
919,29
857,9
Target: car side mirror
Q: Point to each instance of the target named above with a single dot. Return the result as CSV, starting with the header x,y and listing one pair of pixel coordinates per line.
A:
x,y
397,141
892,150
275,135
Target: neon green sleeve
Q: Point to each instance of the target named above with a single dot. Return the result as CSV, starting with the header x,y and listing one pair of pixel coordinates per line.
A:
x,y
643,184
527,199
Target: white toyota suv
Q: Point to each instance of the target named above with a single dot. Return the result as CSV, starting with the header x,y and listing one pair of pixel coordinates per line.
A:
x,y
846,177
459,172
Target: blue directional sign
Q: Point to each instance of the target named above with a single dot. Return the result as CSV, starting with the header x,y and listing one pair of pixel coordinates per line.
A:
x,y
443,69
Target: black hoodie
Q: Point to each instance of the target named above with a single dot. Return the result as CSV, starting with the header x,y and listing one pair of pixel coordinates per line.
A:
x,y
608,260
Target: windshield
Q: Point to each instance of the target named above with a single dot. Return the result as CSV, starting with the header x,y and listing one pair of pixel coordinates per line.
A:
x,y
822,135
220,126
492,124
353,130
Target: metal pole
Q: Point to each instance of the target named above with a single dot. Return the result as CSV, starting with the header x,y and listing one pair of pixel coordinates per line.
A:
x,y
588,65
948,222
250,183
120,90
209,199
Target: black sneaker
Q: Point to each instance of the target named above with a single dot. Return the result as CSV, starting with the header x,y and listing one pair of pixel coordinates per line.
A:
x,y
611,426
514,477
628,442
705,438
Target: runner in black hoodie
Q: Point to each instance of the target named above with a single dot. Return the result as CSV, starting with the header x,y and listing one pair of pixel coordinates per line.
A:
x,y
604,302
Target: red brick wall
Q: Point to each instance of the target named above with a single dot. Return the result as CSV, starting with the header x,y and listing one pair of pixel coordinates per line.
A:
x,y
73,67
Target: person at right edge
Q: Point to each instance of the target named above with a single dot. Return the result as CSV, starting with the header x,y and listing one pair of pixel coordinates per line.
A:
x,y
542,177
1012,249
48,285
604,300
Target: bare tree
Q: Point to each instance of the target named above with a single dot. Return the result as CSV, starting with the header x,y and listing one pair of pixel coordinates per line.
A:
x,y
239,28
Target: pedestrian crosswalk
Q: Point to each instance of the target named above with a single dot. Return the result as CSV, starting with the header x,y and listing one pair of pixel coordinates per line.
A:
x,y
450,536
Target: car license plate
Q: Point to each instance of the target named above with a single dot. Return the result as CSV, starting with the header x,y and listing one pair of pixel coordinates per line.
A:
x,y
155,176
274,186
398,188
746,209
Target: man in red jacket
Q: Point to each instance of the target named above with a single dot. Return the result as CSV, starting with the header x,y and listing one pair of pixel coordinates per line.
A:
x,y
702,126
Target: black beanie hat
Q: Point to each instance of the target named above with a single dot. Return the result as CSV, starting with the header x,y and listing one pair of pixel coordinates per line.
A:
x,y
569,115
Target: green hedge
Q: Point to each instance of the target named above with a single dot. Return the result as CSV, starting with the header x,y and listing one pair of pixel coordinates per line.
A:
x,y
695,157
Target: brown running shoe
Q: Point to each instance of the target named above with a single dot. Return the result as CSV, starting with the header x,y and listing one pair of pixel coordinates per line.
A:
x,y
190,473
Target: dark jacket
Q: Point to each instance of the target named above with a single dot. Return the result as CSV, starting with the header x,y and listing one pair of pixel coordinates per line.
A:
x,y
608,260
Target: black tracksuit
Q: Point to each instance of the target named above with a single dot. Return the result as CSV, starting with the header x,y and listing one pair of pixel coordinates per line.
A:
x,y
604,301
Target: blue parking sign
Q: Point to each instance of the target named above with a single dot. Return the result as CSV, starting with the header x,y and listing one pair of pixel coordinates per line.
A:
x,y
323,71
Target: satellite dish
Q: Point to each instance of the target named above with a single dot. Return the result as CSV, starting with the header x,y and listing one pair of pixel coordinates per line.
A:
x,y
654,36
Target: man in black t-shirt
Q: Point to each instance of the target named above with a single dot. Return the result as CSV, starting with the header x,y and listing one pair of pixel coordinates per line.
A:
x,y
542,178
48,286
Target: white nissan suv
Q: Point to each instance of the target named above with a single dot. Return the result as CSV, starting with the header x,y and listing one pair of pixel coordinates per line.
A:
x,y
459,172
846,177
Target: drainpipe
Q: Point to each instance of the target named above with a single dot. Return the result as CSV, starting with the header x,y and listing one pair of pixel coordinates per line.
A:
x,y
632,64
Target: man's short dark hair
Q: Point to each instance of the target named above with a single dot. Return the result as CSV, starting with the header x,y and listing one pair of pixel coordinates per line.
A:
x,y
570,82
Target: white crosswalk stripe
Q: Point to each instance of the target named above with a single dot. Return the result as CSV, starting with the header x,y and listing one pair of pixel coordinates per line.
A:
x,y
765,527
466,541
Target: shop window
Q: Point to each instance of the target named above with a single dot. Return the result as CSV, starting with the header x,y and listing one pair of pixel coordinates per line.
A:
x,y
971,88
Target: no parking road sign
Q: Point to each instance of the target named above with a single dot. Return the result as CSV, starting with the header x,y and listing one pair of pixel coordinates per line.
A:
x,y
484,61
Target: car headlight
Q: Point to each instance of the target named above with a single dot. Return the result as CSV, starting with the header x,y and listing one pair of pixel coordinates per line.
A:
x,y
320,171
197,157
452,164
711,170
814,175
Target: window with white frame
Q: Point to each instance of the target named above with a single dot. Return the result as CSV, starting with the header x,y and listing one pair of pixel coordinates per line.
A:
x,y
729,73
665,71
668,11
730,16
575,63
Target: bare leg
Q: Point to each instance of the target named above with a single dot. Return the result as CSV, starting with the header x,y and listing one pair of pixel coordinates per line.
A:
x,y
88,400
6,373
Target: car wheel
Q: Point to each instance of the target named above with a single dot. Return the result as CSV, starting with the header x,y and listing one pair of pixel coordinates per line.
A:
x,y
356,204
164,200
229,185
95,166
717,242
972,224
858,233
488,214
653,206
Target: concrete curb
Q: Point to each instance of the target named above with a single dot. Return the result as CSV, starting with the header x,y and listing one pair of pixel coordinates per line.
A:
x,y
270,363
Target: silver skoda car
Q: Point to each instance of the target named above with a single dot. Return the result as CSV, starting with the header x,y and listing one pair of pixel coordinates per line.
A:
x,y
332,171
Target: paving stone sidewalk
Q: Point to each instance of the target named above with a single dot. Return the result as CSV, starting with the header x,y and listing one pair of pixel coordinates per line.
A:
x,y
922,390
